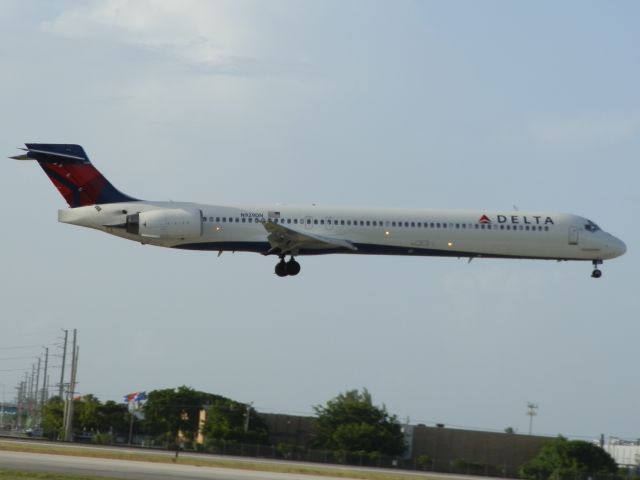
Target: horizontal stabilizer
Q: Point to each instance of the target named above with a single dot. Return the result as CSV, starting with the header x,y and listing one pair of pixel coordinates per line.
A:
x,y
57,153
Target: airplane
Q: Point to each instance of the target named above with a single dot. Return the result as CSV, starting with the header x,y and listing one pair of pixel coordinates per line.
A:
x,y
294,231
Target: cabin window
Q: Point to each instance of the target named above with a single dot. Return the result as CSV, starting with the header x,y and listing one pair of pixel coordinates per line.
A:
x,y
315,221
321,221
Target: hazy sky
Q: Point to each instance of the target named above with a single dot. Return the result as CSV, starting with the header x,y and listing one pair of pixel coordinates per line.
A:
x,y
457,104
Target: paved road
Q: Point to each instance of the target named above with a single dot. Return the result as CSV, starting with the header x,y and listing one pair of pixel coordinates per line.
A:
x,y
137,470
63,464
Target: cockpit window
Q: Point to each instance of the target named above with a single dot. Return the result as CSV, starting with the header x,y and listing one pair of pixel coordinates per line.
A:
x,y
591,227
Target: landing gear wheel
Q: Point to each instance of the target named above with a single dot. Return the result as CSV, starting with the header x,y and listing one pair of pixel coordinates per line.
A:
x,y
597,273
281,268
293,267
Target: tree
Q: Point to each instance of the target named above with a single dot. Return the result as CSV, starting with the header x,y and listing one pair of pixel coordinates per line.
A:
x,y
113,418
351,423
52,414
561,459
170,411
227,421
89,414
86,413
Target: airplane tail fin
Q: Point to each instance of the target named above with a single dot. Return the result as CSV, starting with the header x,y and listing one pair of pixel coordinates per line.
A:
x,y
70,170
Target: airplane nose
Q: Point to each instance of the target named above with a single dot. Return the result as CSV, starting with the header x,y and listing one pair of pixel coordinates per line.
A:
x,y
618,247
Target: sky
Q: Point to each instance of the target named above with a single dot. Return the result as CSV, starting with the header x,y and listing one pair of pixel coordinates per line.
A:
x,y
419,104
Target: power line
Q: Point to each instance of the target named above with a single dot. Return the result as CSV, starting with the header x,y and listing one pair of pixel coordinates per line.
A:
x,y
39,345
17,358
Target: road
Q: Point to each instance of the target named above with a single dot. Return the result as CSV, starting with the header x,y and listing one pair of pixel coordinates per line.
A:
x,y
142,470
63,464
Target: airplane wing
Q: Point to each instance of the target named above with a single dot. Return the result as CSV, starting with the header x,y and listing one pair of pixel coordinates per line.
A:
x,y
289,241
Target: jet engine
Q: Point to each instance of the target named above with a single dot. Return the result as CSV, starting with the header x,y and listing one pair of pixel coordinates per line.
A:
x,y
166,224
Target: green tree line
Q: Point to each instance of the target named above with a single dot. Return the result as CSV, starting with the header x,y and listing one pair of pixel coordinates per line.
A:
x,y
169,416
348,423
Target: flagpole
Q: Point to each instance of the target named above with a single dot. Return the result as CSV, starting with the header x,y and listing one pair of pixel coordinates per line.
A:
x,y
130,427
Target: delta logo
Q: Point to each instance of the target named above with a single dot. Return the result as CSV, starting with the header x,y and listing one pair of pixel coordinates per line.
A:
x,y
519,219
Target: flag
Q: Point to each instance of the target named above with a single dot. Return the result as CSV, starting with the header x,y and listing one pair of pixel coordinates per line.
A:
x,y
135,397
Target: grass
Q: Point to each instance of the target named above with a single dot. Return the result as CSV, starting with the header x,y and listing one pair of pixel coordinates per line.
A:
x,y
199,462
45,476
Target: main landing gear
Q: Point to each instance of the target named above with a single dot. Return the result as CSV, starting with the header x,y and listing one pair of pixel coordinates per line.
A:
x,y
597,273
290,268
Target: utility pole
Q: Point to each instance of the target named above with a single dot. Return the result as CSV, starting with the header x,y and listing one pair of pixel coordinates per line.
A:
x,y
37,396
532,411
45,378
68,434
30,394
2,407
64,358
21,388
31,378
246,417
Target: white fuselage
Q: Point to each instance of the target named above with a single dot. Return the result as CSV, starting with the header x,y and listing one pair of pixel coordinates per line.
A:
x,y
507,234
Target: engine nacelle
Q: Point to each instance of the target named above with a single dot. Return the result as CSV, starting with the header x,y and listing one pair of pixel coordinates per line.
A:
x,y
166,224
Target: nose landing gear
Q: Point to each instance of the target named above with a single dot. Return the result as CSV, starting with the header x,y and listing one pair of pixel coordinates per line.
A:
x,y
597,273
290,268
